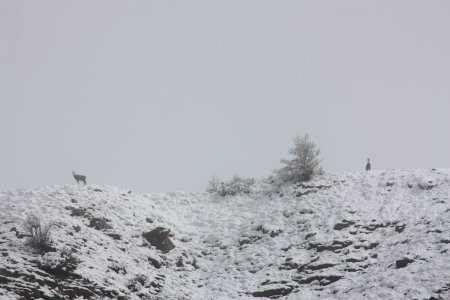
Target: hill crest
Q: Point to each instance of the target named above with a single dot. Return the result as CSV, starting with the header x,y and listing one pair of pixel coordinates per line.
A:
x,y
379,234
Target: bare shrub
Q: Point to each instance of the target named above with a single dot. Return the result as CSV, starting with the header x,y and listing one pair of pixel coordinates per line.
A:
x,y
237,185
213,185
39,234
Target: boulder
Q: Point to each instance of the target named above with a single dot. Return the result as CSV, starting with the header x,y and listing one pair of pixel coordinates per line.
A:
x,y
401,263
273,293
159,238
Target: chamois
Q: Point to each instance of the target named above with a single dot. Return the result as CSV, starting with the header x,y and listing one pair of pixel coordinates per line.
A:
x,y
368,166
79,178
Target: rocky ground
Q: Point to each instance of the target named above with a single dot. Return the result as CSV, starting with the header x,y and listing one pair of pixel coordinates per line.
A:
x,y
381,234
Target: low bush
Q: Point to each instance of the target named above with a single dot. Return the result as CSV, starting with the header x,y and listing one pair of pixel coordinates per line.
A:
x,y
138,282
39,234
237,185
61,264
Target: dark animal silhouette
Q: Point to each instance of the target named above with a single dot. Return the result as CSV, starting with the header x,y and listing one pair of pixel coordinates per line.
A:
x,y
79,178
368,166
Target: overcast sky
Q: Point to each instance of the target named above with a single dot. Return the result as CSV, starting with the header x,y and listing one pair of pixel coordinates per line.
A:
x,y
161,95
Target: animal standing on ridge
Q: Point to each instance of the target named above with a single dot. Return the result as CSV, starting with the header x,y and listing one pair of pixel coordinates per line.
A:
x,y
79,178
368,165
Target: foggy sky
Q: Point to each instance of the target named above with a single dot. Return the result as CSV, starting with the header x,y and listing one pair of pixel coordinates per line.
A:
x,y
161,95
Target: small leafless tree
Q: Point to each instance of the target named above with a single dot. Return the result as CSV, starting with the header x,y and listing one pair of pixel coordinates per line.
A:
x,y
213,185
305,163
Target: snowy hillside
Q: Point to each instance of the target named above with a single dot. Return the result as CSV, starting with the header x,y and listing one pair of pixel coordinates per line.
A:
x,y
376,235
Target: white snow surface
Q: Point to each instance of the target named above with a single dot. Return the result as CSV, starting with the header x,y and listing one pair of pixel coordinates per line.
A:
x,y
231,247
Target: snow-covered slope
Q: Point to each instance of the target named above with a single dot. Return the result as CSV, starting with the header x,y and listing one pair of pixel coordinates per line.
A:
x,y
382,234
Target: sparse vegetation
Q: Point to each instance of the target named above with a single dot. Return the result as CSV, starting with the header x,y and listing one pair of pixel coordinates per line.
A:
x,y
39,234
237,185
138,282
62,264
118,268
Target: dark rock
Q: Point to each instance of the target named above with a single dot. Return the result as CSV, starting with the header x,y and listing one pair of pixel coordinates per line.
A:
x,y
262,229
428,186
343,244
180,262
154,262
443,289
290,264
315,259
401,263
320,247
354,260
366,247
372,245
79,212
319,266
400,228
337,245
268,282
344,224
319,187
310,235
304,193
159,238
323,279
73,201
77,228
274,293
275,233
249,240
148,220
99,224
287,248
372,227
352,269
114,236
